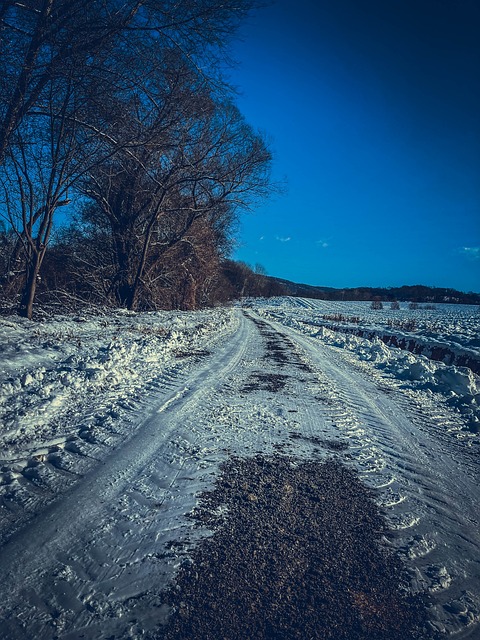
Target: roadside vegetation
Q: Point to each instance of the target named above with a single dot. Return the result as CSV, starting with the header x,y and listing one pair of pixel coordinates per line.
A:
x,y
124,161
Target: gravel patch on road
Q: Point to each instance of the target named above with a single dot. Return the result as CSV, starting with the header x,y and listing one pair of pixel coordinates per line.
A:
x,y
296,553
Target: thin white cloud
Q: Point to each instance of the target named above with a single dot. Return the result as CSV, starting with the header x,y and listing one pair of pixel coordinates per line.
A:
x,y
280,239
322,243
472,253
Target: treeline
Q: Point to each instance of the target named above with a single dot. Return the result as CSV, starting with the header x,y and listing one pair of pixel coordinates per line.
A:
x,y
124,161
414,293
411,293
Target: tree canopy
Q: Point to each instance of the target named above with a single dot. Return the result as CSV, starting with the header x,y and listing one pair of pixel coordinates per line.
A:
x,y
118,113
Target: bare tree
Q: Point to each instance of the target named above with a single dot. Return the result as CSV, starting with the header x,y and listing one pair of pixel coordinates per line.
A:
x,y
195,159
39,38
40,166
108,53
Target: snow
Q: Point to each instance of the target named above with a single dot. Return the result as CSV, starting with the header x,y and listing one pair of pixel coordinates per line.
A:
x,y
67,365
112,425
454,329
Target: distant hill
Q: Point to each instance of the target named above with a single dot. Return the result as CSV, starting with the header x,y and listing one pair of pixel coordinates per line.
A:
x,y
407,293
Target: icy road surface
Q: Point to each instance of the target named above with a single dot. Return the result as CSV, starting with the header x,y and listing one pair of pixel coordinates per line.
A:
x,y
93,509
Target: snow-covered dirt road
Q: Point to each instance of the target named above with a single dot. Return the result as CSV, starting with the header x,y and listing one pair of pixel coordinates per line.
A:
x,y
94,512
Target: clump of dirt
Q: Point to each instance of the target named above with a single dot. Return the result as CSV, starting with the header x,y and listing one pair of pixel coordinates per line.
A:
x,y
266,382
198,354
295,555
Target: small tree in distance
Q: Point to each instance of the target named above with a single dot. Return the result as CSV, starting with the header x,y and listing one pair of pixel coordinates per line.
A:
x,y
376,304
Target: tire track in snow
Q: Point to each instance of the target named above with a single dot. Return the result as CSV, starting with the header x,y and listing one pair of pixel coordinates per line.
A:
x,y
99,559
48,584
33,480
427,490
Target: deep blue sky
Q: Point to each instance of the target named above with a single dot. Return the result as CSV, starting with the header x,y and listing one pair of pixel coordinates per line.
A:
x,y
372,108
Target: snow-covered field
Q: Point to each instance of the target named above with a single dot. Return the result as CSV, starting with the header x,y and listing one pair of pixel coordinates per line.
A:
x,y
430,345
111,427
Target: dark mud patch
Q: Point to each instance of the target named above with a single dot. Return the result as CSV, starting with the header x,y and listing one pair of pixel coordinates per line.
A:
x,y
277,352
296,554
266,382
279,349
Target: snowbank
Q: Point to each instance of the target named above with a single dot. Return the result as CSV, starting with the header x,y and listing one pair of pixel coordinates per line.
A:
x,y
60,375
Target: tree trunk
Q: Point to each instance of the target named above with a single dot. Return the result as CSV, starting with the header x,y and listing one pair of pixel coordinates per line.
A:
x,y
124,288
191,293
26,303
